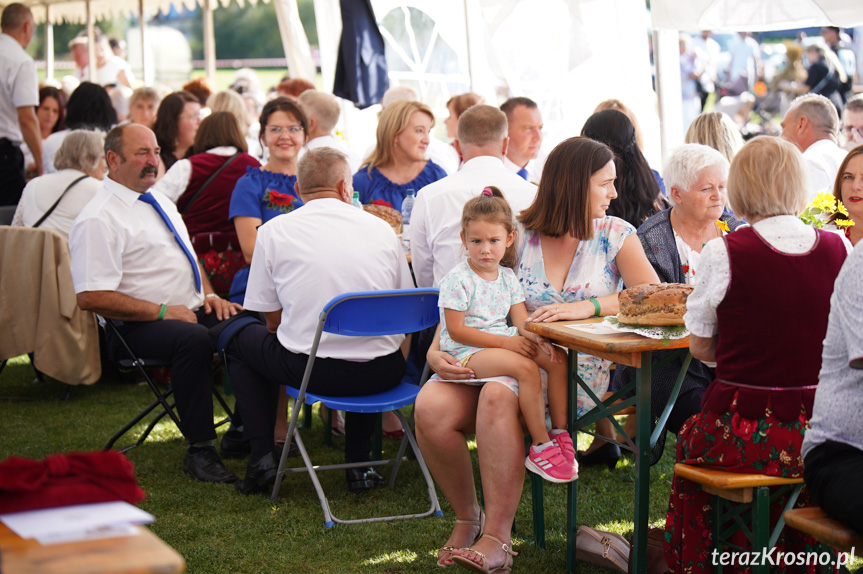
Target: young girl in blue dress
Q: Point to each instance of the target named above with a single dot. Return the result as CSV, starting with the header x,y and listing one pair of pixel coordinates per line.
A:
x,y
475,299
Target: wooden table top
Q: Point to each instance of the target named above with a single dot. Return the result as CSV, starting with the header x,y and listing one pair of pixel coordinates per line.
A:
x,y
142,554
624,348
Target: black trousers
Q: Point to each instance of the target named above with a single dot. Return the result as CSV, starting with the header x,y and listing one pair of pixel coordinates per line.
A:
x,y
258,363
11,172
832,473
190,349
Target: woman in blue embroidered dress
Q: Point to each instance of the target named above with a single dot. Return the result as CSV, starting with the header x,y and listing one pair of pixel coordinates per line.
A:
x,y
398,162
268,191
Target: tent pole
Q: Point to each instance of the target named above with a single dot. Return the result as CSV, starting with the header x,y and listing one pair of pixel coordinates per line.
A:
x,y
467,42
91,45
666,57
145,69
209,43
49,44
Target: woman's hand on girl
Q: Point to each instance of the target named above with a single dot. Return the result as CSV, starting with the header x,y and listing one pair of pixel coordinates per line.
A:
x,y
549,349
448,367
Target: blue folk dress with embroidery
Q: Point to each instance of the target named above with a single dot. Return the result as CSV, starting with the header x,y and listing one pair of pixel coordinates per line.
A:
x,y
262,194
593,273
376,187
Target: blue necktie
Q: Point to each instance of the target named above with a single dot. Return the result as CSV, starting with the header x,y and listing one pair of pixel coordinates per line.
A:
x,y
148,198
522,173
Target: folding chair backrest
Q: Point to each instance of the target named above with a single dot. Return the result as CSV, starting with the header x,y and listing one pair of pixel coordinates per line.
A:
x,y
371,313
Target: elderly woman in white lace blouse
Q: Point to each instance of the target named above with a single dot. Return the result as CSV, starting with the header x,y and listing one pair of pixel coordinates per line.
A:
x,y
81,167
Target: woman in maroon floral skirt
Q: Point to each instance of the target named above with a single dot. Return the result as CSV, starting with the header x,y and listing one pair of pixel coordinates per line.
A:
x,y
759,310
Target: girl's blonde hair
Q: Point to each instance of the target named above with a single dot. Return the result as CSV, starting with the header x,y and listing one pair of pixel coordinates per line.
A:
x,y
394,119
491,206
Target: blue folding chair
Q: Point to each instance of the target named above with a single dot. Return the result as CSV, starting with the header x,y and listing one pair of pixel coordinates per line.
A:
x,y
366,314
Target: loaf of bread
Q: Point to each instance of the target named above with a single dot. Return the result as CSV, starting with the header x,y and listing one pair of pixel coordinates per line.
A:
x,y
654,305
388,214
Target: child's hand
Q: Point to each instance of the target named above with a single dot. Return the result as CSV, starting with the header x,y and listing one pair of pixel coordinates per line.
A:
x,y
520,345
548,349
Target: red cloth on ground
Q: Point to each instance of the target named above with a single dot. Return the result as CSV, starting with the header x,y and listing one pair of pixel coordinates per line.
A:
x,y
67,479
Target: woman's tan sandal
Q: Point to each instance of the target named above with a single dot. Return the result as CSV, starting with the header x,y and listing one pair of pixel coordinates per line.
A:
x,y
444,555
465,561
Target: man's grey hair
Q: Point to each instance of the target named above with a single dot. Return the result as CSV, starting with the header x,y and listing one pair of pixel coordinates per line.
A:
x,y
14,16
81,150
322,169
398,93
687,162
114,141
820,112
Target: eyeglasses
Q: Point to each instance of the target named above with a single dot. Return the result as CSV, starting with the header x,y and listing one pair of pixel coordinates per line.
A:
x,y
278,130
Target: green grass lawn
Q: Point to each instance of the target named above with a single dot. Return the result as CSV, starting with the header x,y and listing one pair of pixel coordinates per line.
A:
x,y
220,531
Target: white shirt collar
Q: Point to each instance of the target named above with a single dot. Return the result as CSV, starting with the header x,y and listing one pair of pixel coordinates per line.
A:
x,y
123,193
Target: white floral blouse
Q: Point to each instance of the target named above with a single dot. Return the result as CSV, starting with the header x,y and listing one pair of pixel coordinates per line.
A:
x,y
593,273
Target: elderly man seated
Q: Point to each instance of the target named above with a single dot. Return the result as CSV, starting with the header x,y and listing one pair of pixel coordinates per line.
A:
x,y
132,261
302,260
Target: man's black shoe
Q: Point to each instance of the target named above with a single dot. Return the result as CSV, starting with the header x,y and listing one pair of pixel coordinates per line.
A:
x,y
363,478
205,465
233,445
260,475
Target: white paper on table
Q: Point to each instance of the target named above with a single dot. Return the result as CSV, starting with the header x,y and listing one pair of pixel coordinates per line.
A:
x,y
50,522
114,531
594,328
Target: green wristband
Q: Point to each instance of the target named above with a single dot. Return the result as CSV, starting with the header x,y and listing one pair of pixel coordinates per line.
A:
x,y
596,308
162,310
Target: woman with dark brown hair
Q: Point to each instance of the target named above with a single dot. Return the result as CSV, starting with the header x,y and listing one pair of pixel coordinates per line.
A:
x,y
573,259
202,185
176,124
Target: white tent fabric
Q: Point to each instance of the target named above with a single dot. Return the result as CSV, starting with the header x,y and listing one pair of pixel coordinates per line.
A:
x,y
294,40
754,15
75,11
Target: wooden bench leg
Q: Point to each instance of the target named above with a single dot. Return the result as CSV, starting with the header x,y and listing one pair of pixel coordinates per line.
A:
x,y
538,510
761,527
716,524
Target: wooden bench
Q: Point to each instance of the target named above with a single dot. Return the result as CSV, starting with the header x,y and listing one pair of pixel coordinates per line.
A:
x,y
736,494
816,523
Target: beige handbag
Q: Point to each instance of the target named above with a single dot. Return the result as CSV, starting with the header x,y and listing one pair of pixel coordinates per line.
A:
x,y
606,549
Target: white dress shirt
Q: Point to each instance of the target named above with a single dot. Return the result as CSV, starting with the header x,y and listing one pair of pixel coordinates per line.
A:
x,y
176,179
436,219
306,257
823,159
18,86
121,244
335,143
41,193
533,167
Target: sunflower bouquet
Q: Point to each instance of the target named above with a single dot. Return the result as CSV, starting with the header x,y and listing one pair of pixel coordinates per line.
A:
x,y
825,210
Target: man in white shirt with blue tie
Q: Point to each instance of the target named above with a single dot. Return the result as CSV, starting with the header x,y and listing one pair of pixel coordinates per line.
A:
x,y
132,262
525,138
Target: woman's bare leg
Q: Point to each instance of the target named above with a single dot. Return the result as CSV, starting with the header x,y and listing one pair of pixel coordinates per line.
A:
x,y
500,443
445,413
603,428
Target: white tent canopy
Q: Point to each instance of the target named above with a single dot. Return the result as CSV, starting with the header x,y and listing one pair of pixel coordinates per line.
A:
x,y
671,16
754,15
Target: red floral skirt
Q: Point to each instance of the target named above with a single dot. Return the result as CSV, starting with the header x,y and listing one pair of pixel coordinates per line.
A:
x,y
732,443
221,266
